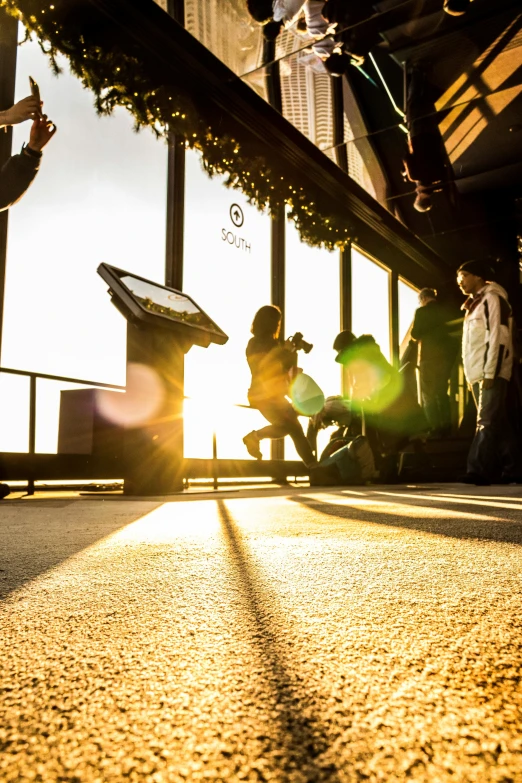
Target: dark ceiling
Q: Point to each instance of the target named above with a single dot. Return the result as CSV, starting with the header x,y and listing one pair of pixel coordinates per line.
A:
x,y
473,64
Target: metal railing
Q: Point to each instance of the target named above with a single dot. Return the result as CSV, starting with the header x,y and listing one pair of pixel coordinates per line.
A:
x,y
33,378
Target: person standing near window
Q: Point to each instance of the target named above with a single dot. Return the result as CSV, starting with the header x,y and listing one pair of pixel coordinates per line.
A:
x,y
487,353
437,353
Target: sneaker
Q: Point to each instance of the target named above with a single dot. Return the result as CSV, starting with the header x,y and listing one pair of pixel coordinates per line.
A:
x,y
251,442
474,478
4,491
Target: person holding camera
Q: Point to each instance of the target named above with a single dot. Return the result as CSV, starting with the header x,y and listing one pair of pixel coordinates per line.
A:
x,y
273,364
20,170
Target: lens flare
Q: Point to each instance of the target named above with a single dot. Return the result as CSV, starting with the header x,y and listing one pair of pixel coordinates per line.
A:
x,y
307,398
141,401
375,386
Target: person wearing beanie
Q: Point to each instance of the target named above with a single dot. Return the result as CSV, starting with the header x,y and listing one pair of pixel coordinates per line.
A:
x,y
487,354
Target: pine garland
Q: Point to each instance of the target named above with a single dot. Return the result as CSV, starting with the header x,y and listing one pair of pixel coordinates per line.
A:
x,y
117,77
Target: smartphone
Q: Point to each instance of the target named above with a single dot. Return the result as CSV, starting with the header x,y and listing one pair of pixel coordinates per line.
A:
x,y
35,91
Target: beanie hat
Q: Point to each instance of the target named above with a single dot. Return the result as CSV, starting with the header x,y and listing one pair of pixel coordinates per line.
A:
x,y
343,340
260,10
479,268
341,344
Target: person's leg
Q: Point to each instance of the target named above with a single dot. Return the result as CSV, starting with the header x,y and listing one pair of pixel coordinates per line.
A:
x,y
430,396
443,400
485,449
286,422
272,431
300,440
444,412
276,429
283,421
311,432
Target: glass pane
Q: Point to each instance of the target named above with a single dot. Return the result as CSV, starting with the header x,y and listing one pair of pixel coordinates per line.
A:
x,y
48,399
371,300
99,196
228,30
408,303
313,307
14,404
306,92
227,272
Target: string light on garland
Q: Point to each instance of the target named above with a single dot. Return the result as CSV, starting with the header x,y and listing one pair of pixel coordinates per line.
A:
x,y
117,76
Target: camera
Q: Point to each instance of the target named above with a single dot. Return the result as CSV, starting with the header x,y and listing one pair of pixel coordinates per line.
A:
x,y
300,344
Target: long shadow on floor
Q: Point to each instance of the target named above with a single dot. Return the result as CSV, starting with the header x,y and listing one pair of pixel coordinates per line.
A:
x,y
301,737
388,513
36,537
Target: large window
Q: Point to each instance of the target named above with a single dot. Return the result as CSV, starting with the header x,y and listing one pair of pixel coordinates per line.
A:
x,y
408,303
371,300
100,196
227,271
313,302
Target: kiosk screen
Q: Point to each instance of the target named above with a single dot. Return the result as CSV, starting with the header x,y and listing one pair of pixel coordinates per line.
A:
x,y
170,304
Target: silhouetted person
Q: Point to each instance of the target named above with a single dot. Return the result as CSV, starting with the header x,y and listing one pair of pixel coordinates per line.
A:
x,y
487,353
376,389
425,162
20,170
272,364
436,357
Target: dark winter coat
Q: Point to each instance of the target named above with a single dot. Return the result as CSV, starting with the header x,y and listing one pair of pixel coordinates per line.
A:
x,y
15,177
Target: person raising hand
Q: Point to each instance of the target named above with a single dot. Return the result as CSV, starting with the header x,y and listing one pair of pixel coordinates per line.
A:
x,y
20,170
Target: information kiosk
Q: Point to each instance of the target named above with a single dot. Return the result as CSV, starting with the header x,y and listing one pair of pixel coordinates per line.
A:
x,y
162,325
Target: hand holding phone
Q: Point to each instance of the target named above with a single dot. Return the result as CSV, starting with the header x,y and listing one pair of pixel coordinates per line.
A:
x,y
26,109
35,92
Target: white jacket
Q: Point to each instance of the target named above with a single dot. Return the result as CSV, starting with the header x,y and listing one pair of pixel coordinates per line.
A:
x,y
289,11
487,339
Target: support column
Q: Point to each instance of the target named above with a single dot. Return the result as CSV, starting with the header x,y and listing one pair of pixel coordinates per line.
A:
x,y
8,46
272,76
273,87
345,272
394,318
346,288
175,188
175,212
341,156
278,293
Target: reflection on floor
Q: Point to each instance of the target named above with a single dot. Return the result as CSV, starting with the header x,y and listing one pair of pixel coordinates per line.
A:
x,y
274,634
